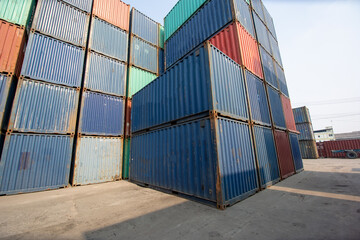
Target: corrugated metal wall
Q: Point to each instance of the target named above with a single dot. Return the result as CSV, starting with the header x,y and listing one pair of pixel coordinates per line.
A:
x,y
262,33
288,113
84,5
144,27
295,148
286,162
7,83
276,108
306,131
243,15
309,150
302,115
269,68
144,55
138,79
17,12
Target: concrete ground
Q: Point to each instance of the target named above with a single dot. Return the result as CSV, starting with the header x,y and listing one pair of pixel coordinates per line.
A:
x,y
321,203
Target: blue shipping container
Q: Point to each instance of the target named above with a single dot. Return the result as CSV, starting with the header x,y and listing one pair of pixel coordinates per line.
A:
x,y
269,68
275,50
282,80
258,7
144,27
295,149
7,90
306,131
32,163
212,160
161,61
269,22
144,55
109,40
276,108
206,80
302,115
262,33
84,5
54,61
101,114
105,74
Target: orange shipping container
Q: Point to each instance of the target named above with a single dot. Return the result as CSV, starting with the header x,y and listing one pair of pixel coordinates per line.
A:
x,y
12,42
288,113
115,12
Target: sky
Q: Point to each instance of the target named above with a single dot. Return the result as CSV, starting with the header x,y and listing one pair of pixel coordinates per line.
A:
x,y
320,48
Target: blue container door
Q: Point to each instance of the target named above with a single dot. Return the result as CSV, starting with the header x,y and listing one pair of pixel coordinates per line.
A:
x,y
276,108
295,148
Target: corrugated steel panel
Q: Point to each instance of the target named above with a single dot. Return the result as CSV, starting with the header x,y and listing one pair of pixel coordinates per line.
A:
x,y
98,159
288,113
12,41
126,158
44,108
53,61
161,62
102,115
275,50
61,21
258,101
128,105
283,148
262,33
18,12
306,131
144,27
144,55
161,36
302,115
309,150
108,39
105,74
115,12
269,68
295,148
179,14
282,80
243,15
276,108
266,155
258,7
138,79
32,163
340,145
7,90
185,90
84,5
269,22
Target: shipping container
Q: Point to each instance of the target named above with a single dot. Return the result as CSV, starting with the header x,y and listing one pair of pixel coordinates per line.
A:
x,y
31,162
144,55
98,160
276,108
281,80
108,39
17,11
53,61
329,146
62,21
288,113
115,12
269,68
262,33
269,22
126,158
258,101
161,36
7,91
306,131
266,155
286,162
138,79
105,74
258,7
101,114
128,118
12,43
200,28
44,108
206,80
302,115
296,153
275,49
172,158
84,5
308,149
144,27
161,63
319,145
239,45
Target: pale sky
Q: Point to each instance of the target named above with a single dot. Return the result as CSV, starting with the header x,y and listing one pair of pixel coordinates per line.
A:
x,y
320,47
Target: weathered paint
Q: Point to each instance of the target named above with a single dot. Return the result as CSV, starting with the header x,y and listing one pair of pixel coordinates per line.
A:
x,y
269,68
138,79
17,11
7,90
288,113
306,131
339,145
126,158
144,55
308,149
31,162
286,162
276,108
127,129
84,5
258,7
115,12
144,27
98,159
243,15
296,153
302,115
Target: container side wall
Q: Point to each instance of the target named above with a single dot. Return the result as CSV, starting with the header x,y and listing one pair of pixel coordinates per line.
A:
x,y
161,36
306,131
115,12
269,68
262,33
138,79
302,115
276,108
144,27
281,80
17,12
286,161
126,158
161,61
275,51
309,150
295,148
258,7
6,94
269,22
84,5
288,113
340,145
243,15
144,55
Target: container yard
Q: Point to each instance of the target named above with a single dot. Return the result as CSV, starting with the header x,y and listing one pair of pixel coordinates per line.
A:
x,y
113,123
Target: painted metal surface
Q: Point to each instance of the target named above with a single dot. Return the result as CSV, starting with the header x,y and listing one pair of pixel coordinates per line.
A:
x,y
126,158
31,163
288,113
302,115
295,148
258,100
12,41
84,5
275,51
138,79
105,74
6,94
161,63
339,145
17,12
115,12
128,105
203,81
98,159
102,114
243,15
269,68
306,131
308,149
266,154
281,80
276,108
53,61
286,162
44,108
62,21
179,14
108,39
269,22
262,33
144,27
258,7
144,55
161,36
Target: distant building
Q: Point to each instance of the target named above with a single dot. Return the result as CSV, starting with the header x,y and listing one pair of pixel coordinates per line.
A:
x,y
351,135
326,134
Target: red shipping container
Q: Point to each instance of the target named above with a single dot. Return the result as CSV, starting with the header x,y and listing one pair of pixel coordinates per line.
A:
x,y
128,118
283,148
288,113
329,146
240,46
115,12
12,42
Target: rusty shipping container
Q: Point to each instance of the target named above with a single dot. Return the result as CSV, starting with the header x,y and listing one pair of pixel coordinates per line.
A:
x,y
286,162
288,113
329,146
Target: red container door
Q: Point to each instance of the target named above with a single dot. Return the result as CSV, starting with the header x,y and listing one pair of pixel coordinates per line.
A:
x,y
283,148
288,113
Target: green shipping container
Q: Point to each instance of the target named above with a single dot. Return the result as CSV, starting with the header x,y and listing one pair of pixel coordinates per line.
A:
x,y
162,36
179,14
17,11
126,158
138,79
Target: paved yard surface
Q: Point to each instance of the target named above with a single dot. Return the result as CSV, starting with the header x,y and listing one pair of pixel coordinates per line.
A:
x,y
321,203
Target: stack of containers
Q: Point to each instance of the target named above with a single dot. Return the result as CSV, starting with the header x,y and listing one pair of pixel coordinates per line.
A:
x,y
307,139
146,62
100,132
39,140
